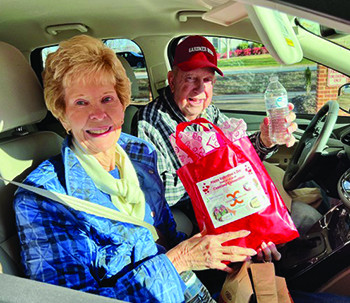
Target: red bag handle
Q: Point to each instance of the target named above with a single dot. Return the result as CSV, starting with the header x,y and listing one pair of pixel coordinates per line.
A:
x,y
181,127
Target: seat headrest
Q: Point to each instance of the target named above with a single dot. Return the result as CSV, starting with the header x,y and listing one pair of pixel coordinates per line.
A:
x,y
131,75
21,95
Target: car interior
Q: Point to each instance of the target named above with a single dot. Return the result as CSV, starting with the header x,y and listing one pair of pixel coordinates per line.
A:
x,y
29,134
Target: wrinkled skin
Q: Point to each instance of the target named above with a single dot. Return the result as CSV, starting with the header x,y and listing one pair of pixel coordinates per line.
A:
x,y
204,251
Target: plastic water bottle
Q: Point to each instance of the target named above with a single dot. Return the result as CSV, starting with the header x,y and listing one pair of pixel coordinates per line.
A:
x,y
195,292
276,101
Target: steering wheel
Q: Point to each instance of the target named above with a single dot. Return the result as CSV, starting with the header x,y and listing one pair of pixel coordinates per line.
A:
x,y
310,146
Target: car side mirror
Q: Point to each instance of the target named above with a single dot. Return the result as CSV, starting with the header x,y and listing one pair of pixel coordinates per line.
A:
x,y
344,97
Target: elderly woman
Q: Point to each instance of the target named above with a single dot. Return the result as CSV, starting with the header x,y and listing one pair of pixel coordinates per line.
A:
x,y
86,88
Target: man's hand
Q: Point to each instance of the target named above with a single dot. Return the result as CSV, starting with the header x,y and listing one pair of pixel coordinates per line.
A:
x,y
268,252
292,127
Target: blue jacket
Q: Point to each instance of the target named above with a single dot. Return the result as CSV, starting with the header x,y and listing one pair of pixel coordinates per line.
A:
x,y
74,249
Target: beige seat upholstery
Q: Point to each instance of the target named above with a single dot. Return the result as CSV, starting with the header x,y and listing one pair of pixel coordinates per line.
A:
x,y
131,109
131,75
22,146
130,112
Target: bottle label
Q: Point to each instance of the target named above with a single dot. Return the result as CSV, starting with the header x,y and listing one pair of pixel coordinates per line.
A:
x,y
278,102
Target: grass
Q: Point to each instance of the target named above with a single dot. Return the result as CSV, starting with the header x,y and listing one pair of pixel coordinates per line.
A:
x,y
254,61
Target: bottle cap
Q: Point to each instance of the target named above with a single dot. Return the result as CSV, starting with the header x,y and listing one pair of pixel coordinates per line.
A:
x,y
273,78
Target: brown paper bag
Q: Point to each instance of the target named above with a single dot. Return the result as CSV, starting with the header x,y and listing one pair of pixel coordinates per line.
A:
x,y
282,291
263,277
255,283
237,287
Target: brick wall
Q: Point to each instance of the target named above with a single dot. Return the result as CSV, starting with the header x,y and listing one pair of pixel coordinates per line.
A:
x,y
327,87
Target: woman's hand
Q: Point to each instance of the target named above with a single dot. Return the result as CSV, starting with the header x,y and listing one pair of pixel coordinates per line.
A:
x,y
204,251
264,129
268,252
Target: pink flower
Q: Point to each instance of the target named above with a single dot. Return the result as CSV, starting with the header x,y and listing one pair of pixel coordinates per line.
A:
x,y
238,52
247,52
256,50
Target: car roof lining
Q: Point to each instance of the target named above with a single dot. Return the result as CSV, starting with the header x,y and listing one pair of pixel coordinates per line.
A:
x,y
109,20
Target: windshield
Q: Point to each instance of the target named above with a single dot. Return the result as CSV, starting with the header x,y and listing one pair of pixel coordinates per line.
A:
x,y
247,66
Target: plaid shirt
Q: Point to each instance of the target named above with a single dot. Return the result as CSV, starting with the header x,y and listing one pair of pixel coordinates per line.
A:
x,y
158,120
81,251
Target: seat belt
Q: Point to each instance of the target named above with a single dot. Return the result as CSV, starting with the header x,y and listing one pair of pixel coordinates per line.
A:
x,y
87,206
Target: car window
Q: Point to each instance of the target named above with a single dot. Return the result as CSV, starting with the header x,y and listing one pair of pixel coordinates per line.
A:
x,y
134,56
247,67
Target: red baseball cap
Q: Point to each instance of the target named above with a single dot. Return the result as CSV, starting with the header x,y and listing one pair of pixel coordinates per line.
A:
x,y
196,52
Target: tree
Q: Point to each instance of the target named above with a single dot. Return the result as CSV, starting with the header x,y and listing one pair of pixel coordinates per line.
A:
x,y
307,80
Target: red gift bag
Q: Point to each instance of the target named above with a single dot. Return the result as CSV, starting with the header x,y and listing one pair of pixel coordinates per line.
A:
x,y
230,190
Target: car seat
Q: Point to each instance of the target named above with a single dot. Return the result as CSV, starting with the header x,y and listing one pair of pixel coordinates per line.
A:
x,y
131,110
22,145
131,75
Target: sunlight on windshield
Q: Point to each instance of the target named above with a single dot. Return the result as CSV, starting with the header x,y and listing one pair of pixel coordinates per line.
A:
x,y
331,34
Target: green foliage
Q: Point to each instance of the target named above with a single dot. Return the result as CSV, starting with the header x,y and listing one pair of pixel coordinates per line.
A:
x,y
243,45
255,44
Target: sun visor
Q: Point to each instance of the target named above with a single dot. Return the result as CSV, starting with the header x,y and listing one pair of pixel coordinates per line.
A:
x,y
276,33
226,14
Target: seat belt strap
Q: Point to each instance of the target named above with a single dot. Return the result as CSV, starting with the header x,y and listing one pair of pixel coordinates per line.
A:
x,y
86,206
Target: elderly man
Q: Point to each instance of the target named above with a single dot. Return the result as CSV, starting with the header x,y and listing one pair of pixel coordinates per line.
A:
x,y
187,97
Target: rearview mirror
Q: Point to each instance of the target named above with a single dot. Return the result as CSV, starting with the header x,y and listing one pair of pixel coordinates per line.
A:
x,y
344,97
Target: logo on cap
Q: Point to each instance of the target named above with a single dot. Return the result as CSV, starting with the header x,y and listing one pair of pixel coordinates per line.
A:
x,y
195,52
200,49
